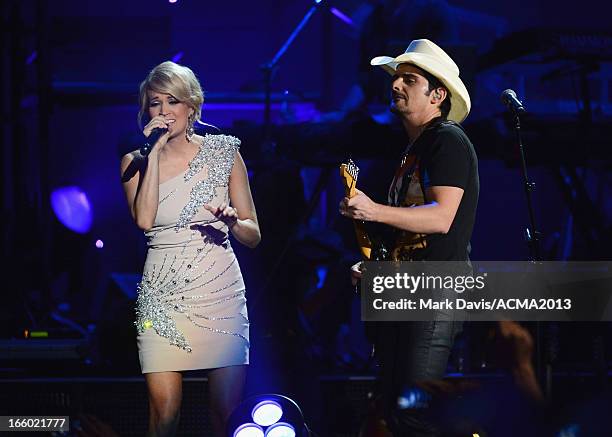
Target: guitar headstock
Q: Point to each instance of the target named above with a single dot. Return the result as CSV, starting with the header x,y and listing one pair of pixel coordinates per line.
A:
x,y
349,173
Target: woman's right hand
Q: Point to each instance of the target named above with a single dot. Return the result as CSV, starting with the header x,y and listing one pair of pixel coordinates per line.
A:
x,y
159,121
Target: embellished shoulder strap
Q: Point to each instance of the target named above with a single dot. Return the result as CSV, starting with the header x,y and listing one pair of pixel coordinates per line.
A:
x,y
212,146
221,142
217,152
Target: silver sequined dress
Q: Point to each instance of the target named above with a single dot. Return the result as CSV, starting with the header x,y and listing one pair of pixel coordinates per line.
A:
x,y
191,308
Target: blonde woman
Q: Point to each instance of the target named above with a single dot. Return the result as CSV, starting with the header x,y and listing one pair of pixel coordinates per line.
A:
x,y
187,195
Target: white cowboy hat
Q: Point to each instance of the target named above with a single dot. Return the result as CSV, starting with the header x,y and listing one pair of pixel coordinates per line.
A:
x,y
431,58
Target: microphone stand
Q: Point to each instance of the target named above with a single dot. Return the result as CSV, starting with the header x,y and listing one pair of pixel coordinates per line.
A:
x,y
532,235
533,239
270,67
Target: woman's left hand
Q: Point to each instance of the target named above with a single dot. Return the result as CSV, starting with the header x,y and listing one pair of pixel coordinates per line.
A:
x,y
224,212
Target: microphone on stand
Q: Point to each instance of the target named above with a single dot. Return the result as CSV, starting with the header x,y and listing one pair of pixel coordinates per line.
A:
x,y
508,98
153,137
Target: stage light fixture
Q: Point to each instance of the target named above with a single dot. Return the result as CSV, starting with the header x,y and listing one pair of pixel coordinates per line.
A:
x,y
267,413
249,430
280,429
274,416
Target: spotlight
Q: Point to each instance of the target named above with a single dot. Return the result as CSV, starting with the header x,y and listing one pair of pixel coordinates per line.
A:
x,y
267,411
248,430
413,398
280,429
99,244
72,208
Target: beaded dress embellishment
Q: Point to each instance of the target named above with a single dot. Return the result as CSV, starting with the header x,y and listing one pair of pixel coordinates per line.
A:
x,y
164,288
217,153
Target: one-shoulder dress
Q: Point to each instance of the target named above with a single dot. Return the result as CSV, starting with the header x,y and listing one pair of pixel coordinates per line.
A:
x,y
191,308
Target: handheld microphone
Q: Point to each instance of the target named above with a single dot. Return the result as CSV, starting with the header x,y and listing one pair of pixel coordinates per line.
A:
x,y
508,98
153,137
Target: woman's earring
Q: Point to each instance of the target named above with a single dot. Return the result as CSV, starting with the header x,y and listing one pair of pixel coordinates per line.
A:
x,y
189,132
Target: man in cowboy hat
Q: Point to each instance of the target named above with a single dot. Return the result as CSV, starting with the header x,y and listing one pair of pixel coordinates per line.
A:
x,y
431,207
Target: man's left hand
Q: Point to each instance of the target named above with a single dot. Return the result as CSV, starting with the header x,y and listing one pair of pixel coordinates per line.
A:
x,y
359,207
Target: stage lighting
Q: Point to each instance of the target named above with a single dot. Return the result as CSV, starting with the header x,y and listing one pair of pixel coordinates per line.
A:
x,y
280,429
248,430
274,416
267,413
99,244
413,398
343,17
72,208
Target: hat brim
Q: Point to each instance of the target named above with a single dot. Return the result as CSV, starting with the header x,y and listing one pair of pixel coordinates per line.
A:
x,y
460,98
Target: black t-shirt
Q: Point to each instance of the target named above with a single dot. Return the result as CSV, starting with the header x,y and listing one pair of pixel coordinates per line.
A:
x,y
442,156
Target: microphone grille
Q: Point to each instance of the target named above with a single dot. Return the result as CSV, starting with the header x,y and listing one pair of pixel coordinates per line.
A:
x,y
509,92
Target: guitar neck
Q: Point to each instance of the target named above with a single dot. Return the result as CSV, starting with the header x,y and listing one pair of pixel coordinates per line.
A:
x,y
349,172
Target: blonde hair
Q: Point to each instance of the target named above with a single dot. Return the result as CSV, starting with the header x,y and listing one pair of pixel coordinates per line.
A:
x,y
174,79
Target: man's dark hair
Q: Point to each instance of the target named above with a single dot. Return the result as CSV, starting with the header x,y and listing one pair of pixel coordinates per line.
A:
x,y
435,83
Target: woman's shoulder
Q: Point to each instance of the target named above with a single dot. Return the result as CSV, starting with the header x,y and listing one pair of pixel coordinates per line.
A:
x,y
213,136
220,140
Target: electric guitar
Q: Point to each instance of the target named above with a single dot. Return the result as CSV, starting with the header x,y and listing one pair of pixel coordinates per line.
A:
x,y
374,425
349,173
